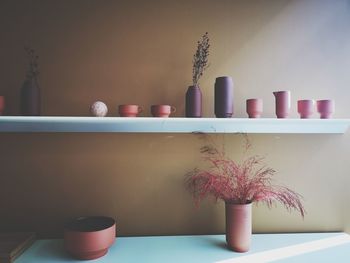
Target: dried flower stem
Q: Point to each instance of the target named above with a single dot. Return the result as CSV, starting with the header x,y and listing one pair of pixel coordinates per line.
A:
x,y
200,59
33,68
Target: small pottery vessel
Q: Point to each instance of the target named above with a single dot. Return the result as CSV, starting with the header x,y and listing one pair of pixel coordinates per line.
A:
x,y
89,237
30,98
162,110
193,102
99,109
223,97
325,108
129,110
306,108
2,105
254,108
282,103
238,226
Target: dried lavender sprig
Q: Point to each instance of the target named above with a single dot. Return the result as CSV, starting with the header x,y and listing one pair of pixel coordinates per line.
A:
x,y
200,58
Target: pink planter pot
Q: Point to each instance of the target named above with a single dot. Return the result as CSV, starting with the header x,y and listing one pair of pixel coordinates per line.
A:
x,y
254,108
282,103
89,237
238,226
129,110
162,110
306,108
2,105
325,108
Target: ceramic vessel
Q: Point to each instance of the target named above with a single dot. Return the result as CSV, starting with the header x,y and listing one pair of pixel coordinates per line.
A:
x,y
254,108
129,110
2,105
162,110
282,103
30,98
99,109
306,108
223,97
89,237
193,102
238,226
325,108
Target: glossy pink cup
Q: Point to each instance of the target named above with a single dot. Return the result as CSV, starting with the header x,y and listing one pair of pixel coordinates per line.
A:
x,y
325,108
254,108
2,104
306,108
282,103
162,110
129,110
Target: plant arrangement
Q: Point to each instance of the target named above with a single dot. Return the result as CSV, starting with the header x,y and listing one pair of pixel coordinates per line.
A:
x,y
33,68
200,59
239,183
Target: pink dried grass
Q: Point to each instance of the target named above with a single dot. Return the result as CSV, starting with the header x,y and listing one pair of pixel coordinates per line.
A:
x,y
240,183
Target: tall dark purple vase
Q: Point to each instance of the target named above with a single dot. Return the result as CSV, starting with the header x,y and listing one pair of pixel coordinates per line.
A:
x,y
30,98
194,102
223,97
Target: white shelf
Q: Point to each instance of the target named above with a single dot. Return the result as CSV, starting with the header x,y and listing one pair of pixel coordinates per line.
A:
x,y
171,125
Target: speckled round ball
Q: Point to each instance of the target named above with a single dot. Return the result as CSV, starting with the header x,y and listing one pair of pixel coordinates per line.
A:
x,y
98,109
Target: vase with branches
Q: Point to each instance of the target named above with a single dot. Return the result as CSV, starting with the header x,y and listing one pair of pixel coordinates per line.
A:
x,y
239,184
200,64
30,92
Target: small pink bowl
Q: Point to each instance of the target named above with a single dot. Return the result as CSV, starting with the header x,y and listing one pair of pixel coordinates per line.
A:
x,y
89,237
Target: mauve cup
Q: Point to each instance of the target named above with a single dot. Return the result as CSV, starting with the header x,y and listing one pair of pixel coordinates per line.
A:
x,y
325,108
306,108
162,110
282,103
254,108
129,110
89,237
2,104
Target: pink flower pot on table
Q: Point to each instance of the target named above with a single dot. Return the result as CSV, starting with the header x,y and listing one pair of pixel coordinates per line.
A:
x,y
254,108
325,108
306,108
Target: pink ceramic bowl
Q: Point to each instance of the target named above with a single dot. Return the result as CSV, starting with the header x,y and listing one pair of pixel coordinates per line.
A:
x,y
89,237
325,108
306,108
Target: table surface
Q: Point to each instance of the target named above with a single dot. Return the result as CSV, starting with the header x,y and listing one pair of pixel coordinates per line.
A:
x,y
301,247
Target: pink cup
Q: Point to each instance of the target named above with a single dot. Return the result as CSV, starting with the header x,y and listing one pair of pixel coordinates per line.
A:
x,y
306,108
325,108
162,110
254,108
129,110
2,104
282,103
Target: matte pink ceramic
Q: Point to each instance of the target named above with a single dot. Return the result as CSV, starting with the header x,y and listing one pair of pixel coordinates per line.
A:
x,y
254,108
162,110
89,237
129,110
282,103
325,108
306,108
2,104
238,226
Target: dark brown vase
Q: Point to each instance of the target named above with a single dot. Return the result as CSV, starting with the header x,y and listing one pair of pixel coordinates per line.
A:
x,y
194,102
30,98
238,226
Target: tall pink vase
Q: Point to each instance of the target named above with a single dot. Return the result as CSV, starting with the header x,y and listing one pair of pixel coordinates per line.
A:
x,y
282,103
238,226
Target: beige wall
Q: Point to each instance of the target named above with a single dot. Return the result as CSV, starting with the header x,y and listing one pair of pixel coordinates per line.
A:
x,y
141,52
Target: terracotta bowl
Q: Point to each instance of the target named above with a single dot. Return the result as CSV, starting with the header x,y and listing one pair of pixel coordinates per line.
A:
x,y
89,237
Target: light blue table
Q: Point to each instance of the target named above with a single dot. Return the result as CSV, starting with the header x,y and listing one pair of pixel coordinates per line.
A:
x,y
308,247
